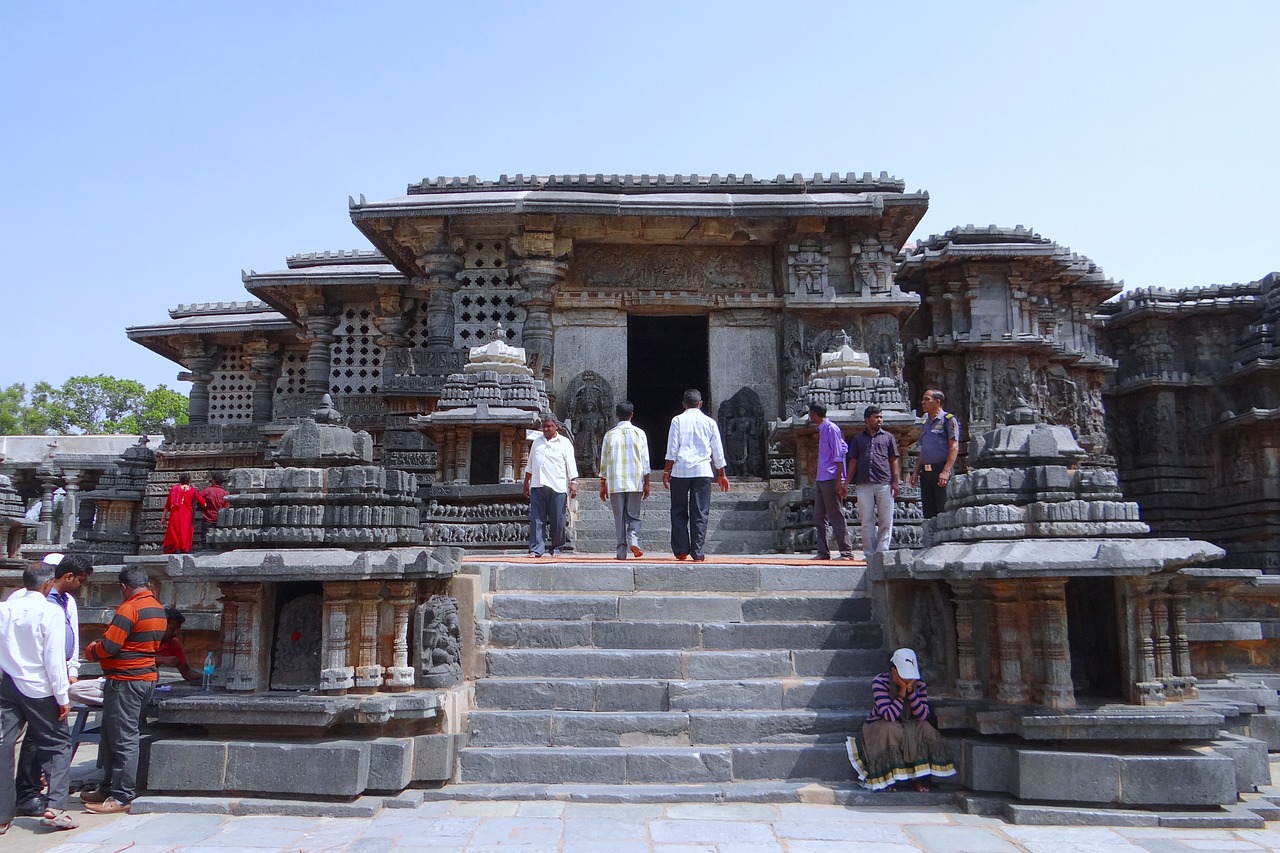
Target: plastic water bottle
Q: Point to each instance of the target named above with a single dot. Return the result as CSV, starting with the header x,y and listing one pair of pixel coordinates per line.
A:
x,y
206,683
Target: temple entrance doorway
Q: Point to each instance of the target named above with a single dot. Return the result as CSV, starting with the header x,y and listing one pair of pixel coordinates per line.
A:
x,y
1093,636
665,356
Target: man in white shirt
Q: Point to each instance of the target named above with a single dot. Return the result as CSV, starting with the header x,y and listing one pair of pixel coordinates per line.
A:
x,y
624,478
33,691
70,571
694,448
550,479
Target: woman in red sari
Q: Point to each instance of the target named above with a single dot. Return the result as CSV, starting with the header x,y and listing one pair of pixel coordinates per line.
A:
x,y
178,512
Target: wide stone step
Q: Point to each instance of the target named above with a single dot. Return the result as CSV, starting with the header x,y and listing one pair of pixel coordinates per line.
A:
x,y
755,791
614,694
682,664
687,607
639,576
654,765
672,728
721,636
719,519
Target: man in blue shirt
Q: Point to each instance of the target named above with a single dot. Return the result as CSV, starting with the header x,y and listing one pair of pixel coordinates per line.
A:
x,y
829,488
939,445
873,468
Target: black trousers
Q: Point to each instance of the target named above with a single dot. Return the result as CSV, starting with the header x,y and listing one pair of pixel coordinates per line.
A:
x,y
690,508
933,497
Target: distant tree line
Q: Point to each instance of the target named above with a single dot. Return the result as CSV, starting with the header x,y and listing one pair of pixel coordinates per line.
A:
x,y
93,405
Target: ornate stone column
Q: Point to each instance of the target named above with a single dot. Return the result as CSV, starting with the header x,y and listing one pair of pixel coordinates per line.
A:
x,y
538,277
440,265
1051,606
462,457
243,658
264,370
399,674
50,479
70,505
336,676
364,609
199,361
1010,687
967,684
319,333
507,472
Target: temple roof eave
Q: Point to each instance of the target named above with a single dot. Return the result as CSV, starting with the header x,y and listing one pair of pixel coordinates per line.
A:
x,y
165,339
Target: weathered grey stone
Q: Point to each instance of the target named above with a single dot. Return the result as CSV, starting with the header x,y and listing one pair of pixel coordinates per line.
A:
x,y
435,757
695,695
852,662
790,635
187,765
1076,777
1177,780
988,766
646,635
390,763
548,766
1036,815
818,761
362,807
1252,763
529,694
841,608
619,729
509,728
700,608
539,635
152,804
839,577
616,663
697,577
835,692
622,695
678,766
738,665
557,577
327,769
562,607
768,727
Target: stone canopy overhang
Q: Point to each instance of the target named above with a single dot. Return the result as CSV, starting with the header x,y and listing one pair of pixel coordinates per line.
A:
x,y
198,324
688,210
336,277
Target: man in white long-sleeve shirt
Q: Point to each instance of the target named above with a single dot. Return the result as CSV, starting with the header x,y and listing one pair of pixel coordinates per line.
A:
x,y
33,688
550,479
694,449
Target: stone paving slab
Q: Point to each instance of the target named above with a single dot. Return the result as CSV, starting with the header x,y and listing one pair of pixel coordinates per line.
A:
x,y
568,827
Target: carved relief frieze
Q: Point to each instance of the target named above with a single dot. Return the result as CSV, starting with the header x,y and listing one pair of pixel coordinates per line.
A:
x,y
748,268
808,263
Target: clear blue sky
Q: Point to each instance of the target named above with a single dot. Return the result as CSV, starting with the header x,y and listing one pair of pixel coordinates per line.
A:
x,y
151,151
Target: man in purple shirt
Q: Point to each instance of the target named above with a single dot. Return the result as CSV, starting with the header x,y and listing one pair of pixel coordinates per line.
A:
x,y
829,487
873,469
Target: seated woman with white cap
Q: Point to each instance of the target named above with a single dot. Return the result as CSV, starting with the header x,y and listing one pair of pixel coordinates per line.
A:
x,y
897,743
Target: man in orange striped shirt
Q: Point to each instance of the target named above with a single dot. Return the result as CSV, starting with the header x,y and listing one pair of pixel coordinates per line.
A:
x,y
127,652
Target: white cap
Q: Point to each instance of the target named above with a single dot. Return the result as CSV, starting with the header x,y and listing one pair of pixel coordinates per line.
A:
x,y
904,660
52,559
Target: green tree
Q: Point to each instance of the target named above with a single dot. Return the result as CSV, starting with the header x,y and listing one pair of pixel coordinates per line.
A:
x,y
89,404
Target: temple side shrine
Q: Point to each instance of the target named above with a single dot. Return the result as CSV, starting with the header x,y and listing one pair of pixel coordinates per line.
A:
x,y
1095,610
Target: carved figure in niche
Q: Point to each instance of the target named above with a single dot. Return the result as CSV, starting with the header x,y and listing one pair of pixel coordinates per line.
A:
x,y
1009,388
295,658
589,397
1061,398
440,642
742,424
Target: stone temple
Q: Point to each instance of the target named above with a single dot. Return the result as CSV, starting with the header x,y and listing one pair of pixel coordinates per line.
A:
x,y
1097,608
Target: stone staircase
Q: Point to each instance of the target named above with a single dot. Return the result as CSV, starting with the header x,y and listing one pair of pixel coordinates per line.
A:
x,y
641,673
741,520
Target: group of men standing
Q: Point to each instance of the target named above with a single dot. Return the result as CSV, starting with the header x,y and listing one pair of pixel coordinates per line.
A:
x,y
871,466
695,456
39,679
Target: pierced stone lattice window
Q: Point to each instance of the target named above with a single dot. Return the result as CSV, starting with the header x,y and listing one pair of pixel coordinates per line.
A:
x,y
231,389
293,375
355,361
487,297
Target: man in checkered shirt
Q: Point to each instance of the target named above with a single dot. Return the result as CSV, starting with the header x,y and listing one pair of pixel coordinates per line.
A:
x,y
624,478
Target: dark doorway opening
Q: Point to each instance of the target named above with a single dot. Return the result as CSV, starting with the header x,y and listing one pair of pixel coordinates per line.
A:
x,y
665,356
1093,635
485,449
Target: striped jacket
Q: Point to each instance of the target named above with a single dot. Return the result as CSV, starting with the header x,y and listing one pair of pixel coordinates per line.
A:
x,y
127,651
885,707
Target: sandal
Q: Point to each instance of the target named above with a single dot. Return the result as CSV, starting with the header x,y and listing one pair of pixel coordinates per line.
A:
x,y
4,827
59,821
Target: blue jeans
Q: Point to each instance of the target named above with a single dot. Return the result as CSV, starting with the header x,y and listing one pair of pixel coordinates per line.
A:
x,y
690,506
548,516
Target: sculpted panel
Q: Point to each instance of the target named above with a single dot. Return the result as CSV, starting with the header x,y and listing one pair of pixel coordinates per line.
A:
x,y
672,268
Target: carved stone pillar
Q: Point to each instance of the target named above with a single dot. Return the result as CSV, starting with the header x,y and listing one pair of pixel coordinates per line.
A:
x,y
1051,605
319,333
70,506
1160,636
440,265
967,684
462,457
538,277
448,459
336,675
199,361
1010,687
49,482
264,370
364,610
507,438
399,674
1150,690
242,661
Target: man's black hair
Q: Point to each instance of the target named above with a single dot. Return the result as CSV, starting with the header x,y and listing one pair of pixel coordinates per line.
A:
x,y
624,410
818,409
135,577
692,398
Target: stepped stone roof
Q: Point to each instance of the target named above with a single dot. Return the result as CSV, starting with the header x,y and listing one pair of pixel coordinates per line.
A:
x,y
834,182
206,318
1144,301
